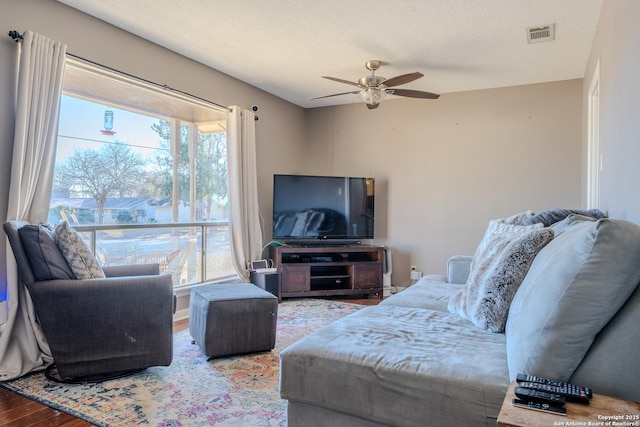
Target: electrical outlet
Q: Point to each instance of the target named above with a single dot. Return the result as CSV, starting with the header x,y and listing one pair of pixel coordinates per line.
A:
x,y
416,275
414,268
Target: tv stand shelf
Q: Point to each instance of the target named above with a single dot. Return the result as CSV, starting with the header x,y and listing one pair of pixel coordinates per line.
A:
x,y
307,271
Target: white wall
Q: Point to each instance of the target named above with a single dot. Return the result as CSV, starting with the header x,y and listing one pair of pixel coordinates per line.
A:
x,y
444,168
616,47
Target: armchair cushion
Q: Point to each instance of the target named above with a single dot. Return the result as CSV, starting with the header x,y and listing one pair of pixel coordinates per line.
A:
x,y
47,262
80,259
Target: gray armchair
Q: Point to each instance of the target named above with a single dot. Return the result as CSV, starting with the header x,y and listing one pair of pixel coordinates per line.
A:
x,y
101,327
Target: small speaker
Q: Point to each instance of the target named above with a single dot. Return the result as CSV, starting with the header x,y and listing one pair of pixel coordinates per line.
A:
x,y
267,281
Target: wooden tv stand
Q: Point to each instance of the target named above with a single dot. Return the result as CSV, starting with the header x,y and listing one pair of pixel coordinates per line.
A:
x,y
308,271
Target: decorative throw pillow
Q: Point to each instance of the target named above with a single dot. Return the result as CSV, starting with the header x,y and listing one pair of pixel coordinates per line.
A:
x,y
82,262
574,287
496,227
47,262
552,216
518,219
498,267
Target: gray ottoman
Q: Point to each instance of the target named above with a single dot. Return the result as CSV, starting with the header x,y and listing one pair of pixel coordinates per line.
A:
x,y
232,319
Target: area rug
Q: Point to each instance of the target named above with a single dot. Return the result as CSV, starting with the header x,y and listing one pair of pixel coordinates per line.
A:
x,y
235,391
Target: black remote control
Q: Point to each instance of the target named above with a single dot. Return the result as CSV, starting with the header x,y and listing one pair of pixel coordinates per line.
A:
x,y
539,396
571,392
531,378
537,406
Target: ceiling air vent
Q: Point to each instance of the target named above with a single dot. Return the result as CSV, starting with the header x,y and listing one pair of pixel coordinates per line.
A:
x,y
545,33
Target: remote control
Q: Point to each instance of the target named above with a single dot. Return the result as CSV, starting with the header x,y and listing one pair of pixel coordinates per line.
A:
x,y
570,392
534,379
539,396
537,406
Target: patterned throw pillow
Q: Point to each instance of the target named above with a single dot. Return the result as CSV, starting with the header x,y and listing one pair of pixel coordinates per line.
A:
x,y
498,267
80,259
521,218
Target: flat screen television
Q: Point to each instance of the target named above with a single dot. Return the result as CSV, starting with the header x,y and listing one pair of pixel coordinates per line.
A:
x,y
323,207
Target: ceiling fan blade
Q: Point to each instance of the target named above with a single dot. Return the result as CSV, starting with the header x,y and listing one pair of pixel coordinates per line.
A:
x,y
413,93
400,80
372,106
335,79
336,94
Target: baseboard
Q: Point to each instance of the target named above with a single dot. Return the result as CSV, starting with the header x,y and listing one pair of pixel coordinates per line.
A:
x,y
181,315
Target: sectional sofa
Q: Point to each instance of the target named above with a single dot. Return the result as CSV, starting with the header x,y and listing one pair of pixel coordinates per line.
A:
x,y
551,294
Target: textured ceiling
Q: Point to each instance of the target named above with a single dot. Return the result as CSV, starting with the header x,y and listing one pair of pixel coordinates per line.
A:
x,y
284,46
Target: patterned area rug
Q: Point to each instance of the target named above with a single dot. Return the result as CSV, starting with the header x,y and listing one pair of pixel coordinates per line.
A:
x,y
236,391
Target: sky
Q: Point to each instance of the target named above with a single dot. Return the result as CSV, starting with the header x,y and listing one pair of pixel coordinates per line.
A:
x,y
81,122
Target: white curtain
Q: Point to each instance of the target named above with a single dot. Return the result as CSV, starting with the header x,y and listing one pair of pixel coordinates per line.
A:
x,y
40,70
244,215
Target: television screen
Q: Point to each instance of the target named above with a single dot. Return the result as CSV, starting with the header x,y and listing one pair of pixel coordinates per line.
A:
x,y
322,207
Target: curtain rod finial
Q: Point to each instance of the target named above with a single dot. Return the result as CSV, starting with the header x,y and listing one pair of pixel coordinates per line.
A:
x,y
16,36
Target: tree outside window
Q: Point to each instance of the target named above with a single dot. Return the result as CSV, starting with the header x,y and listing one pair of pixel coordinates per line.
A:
x,y
99,173
145,169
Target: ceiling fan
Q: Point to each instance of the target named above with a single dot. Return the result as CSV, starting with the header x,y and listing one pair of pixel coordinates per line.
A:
x,y
372,89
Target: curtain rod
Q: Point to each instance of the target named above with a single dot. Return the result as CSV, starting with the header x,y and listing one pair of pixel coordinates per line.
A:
x,y
16,36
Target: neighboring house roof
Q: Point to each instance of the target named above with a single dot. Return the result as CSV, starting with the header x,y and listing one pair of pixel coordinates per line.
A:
x,y
111,203
162,202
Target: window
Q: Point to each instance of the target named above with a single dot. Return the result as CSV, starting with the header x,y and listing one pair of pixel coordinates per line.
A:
x,y
143,171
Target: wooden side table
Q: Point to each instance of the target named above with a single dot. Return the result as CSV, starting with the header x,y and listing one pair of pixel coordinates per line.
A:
x,y
602,411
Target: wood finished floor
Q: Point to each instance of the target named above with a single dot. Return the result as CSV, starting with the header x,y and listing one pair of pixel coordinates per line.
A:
x,y
18,411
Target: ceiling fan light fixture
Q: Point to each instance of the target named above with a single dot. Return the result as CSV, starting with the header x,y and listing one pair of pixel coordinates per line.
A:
x,y
372,89
372,95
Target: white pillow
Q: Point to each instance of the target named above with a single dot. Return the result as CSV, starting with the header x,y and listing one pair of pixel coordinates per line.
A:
x,y
498,267
80,259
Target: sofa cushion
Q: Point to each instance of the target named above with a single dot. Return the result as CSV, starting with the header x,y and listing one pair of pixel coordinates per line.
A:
x,y
80,259
611,366
573,288
430,292
561,226
47,262
388,363
499,265
552,216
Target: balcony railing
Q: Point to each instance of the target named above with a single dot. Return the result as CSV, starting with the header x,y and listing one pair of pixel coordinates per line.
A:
x,y
179,248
